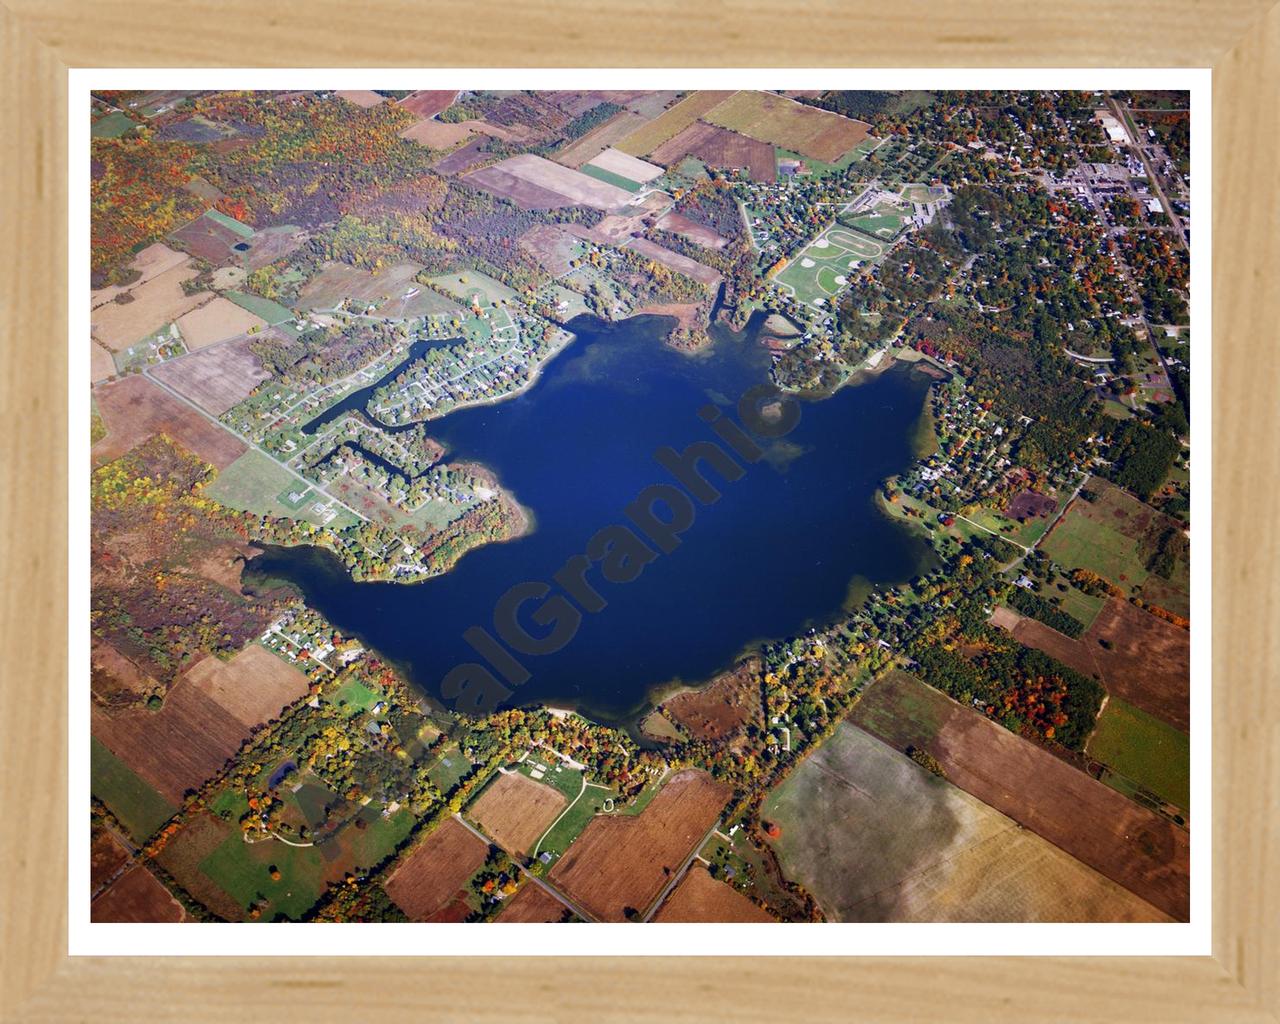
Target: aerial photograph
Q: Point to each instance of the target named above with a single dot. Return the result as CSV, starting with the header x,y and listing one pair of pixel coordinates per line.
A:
x,y
638,506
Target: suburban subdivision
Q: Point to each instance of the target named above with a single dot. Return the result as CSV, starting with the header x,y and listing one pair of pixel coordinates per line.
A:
x,y
639,506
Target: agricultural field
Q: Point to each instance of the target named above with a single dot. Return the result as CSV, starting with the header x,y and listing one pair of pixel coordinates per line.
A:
x,y
809,131
134,409
699,897
671,122
1133,846
534,183
515,811
821,270
441,135
361,97
177,747
534,905
699,272
339,282
1135,655
213,237
154,303
678,224
474,288
216,379
877,838
552,247
428,103
434,872
136,805
112,125
152,261
106,857
217,320
721,149
578,151
1144,750
623,165
619,864
136,896
252,686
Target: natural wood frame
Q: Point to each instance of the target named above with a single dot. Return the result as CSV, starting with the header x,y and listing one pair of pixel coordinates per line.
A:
x,y
40,39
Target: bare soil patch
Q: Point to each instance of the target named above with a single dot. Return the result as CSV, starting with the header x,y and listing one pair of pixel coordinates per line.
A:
x,y
699,897
137,896
114,679
361,97
515,811
438,134
1031,505
216,321
620,863
135,408
215,378
433,873
462,160
1135,847
208,239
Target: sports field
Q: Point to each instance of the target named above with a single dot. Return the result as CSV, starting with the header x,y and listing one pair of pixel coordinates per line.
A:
x,y
822,268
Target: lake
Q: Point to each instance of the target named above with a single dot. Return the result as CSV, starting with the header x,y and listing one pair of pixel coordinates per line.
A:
x,y
778,552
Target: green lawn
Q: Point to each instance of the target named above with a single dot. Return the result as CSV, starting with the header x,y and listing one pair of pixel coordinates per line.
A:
x,y
353,697
137,806
562,834
1145,750
567,780
469,283
1076,603
243,871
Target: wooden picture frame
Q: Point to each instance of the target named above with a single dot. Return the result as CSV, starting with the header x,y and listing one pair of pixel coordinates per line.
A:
x,y
41,39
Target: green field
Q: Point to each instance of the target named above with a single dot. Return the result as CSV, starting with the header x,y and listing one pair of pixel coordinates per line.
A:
x,y
1145,750
271,312
256,483
820,168
609,178
112,126
1075,602
575,818
1078,542
1019,533
566,780
137,806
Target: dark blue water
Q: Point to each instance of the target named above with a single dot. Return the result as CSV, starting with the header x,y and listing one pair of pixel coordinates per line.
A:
x,y
777,552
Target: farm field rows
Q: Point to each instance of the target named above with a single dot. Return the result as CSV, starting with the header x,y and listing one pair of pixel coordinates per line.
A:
x,y
892,842
1131,845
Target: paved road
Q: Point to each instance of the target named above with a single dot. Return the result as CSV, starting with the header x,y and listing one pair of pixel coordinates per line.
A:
x,y
1178,230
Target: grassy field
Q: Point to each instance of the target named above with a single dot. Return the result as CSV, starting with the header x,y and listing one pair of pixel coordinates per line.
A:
x,y
353,697
137,806
882,225
820,168
1144,750
575,818
609,177
271,312
257,483
1020,533
1080,542
112,126
471,284
241,229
